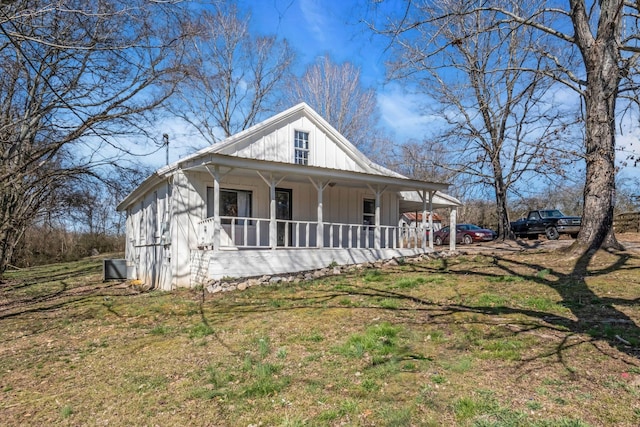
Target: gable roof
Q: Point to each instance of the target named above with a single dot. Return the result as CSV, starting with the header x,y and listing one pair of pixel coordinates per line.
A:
x,y
234,145
233,153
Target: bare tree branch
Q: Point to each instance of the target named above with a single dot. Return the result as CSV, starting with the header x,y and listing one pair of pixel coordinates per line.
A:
x,y
336,93
75,78
234,78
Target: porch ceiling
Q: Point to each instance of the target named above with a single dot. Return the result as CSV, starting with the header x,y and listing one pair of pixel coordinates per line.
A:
x,y
303,173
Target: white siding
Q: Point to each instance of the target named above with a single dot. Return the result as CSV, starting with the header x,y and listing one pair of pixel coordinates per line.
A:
x,y
188,208
145,252
341,204
277,144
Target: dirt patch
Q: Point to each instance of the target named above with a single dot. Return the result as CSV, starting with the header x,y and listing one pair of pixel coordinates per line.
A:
x,y
631,242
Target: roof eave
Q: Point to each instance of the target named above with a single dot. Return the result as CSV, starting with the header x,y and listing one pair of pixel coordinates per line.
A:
x,y
150,182
398,183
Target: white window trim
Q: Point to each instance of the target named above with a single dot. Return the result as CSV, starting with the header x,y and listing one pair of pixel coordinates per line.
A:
x,y
296,150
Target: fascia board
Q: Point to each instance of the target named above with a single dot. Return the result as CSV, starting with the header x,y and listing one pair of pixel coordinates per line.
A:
x,y
398,183
149,183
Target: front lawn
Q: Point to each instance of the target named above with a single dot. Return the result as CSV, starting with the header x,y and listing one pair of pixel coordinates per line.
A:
x,y
521,339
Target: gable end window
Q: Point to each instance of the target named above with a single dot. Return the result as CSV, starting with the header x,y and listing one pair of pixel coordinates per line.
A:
x,y
301,144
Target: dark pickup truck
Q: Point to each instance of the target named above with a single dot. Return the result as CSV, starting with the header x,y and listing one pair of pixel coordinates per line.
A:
x,y
552,223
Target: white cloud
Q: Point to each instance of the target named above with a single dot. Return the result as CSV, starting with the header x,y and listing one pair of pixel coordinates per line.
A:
x,y
315,19
402,113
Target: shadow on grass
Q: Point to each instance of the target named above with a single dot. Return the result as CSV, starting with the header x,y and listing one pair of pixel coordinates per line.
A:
x,y
594,318
60,274
59,295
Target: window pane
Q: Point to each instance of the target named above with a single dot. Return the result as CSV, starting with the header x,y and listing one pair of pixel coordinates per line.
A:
x,y
301,145
369,206
235,203
210,194
244,203
368,212
302,140
228,203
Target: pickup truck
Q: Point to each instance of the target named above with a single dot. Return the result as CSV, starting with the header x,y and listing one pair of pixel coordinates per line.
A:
x,y
551,223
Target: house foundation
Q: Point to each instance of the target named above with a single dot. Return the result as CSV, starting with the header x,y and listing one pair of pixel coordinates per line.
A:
x,y
249,263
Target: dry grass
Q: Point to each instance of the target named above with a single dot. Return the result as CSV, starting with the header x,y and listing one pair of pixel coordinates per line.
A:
x,y
524,338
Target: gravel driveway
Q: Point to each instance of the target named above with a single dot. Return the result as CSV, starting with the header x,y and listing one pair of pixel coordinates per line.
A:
x,y
631,242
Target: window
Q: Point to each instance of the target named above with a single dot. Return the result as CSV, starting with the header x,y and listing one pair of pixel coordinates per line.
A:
x,y
369,212
233,203
301,142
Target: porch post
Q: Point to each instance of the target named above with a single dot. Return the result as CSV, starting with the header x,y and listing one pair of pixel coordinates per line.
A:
x,y
377,222
320,227
273,223
431,193
216,208
217,177
452,228
423,196
377,232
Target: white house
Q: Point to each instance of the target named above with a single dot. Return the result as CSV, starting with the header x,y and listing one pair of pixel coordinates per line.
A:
x,y
288,194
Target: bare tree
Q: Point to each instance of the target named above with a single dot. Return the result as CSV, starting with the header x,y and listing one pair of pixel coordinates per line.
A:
x,y
429,160
234,77
337,94
499,122
595,52
77,78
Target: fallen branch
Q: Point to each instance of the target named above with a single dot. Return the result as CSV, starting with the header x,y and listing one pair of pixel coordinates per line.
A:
x,y
622,340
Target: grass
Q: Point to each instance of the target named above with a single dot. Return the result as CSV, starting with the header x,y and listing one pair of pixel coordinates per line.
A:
x,y
514,340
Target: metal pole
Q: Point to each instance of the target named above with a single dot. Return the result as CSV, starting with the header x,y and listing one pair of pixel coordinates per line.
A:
x,y
165,139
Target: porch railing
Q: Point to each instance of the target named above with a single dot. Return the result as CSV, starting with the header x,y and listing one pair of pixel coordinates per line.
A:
x,y
256,233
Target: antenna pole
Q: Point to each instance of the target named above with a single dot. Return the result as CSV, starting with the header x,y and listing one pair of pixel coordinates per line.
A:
x,y
165,139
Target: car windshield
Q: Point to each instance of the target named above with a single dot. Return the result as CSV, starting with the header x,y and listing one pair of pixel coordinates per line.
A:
x,y
551,214
473,227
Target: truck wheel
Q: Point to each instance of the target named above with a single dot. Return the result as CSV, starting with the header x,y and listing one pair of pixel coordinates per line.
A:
x,y
532,237
552,233
467,240
438,241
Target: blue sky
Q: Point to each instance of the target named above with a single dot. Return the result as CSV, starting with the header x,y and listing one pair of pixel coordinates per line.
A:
x,y
338,28
334,27
315,28
318,27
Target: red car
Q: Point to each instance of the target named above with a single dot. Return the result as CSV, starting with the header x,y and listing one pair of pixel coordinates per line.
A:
x,y
465,233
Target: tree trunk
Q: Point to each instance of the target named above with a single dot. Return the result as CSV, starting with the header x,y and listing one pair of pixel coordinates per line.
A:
x,y
602,58
7,247
504,227
599,190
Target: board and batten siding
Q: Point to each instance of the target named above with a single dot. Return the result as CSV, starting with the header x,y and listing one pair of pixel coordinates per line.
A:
x,y
277,144
341,204
189,206
148,258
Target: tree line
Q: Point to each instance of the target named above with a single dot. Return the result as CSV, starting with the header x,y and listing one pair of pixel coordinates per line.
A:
x,y
523,91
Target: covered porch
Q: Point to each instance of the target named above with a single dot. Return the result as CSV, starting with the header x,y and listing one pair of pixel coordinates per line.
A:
x,y
281,229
